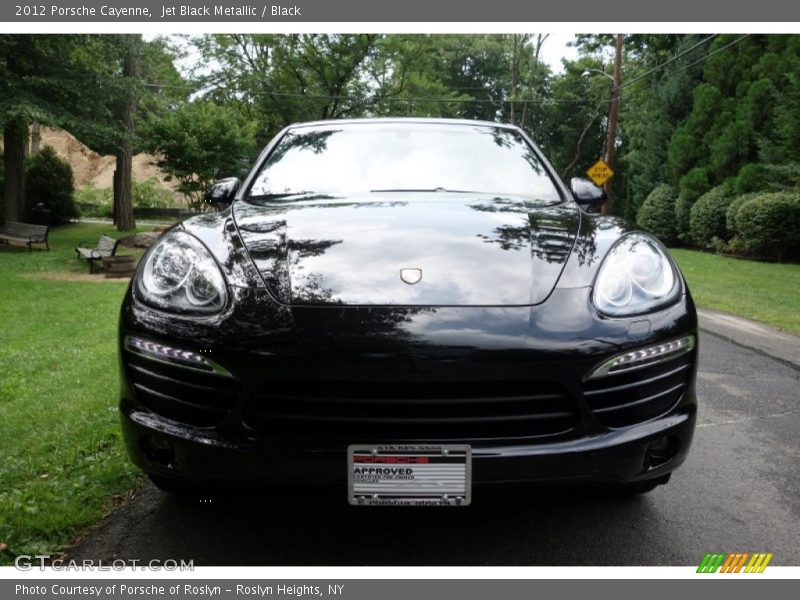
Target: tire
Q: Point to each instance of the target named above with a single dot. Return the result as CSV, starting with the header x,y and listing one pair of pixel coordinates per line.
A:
x,y
178,488
643,487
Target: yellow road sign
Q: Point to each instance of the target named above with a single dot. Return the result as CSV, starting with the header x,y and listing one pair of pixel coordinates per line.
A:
x,y
600,172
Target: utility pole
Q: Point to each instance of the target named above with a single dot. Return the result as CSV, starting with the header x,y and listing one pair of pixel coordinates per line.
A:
x,y
613,112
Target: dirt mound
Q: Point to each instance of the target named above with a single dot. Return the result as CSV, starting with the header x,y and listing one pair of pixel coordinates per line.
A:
x,y
90,167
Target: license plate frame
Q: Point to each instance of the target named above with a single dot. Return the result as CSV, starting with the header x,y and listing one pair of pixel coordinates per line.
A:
x,y
436,469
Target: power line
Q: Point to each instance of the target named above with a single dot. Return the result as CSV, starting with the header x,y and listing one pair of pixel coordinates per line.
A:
x,y
710,54
387,99
705,58
667,62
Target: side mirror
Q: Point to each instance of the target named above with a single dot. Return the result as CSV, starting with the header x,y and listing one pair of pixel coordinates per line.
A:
x,y
586,193
222,192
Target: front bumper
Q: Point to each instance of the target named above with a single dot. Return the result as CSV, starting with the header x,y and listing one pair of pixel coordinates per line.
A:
x,y
336,359
197,455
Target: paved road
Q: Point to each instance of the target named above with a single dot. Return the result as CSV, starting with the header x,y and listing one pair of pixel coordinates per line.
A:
x,y
739,490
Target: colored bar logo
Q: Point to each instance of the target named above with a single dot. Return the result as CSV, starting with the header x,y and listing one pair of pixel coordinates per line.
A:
x,y
734,562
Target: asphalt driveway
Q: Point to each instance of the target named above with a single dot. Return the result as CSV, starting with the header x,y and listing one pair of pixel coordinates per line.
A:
x,y
738,491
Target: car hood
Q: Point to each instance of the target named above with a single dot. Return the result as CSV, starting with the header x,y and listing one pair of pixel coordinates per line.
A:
x,y
471,250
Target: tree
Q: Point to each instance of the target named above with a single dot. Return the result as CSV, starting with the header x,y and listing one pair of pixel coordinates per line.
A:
x,y
122,66
50,183
282,79
745,110
75,82
199,142
15,133
408,74
572,134
653,107
40,80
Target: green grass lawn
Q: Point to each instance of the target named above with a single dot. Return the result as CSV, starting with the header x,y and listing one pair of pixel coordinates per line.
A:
x,y
766,292
61,457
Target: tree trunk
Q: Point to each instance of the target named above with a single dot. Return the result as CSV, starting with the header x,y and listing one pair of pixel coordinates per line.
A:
x,y
123,210
116,189
124,202
541,38
36,137
14,141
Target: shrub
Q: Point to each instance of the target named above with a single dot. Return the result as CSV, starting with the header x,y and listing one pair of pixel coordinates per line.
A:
x,y
95,202
736,246
89,194
766,178
149,194
730,213
657,213
707,217
769,224
751,178
197,141
694,184
49,182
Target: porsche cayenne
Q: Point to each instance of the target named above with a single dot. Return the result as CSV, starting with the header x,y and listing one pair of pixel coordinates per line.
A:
x,y
409,309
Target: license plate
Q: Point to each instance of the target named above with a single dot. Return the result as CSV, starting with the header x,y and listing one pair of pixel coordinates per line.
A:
x,y
409,475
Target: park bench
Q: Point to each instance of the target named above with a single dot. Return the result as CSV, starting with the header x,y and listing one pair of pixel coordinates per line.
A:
x,y
26,233
107,246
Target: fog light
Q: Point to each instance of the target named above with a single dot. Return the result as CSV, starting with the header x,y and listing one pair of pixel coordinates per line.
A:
x,y
644,357
174,356
661,451
157,450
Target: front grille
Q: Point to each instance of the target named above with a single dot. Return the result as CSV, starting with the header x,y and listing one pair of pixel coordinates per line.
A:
x,y
364,411
623,399
183,395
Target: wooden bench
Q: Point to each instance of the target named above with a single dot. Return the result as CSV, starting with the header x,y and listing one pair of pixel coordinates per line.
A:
x,y
107,246
26,233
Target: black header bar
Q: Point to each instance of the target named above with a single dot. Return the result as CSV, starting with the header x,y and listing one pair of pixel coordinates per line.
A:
x,y
260,11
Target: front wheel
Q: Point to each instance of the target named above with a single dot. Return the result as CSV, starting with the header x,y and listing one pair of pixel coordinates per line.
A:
x,y
179,488
643,487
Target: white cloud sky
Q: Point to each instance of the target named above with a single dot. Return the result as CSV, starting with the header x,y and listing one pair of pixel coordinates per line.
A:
x,y
555,48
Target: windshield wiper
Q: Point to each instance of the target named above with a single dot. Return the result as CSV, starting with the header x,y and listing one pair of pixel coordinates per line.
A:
x,y
435,190
280,196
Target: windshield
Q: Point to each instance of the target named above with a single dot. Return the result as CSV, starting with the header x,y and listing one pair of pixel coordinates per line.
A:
x,y
393,157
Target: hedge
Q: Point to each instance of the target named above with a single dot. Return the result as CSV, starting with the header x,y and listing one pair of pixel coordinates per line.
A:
x,y
694,184
764,177
769,224
707,218
730,214
657,213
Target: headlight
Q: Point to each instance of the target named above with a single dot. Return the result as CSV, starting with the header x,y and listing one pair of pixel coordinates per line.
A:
x,y
635,277
180,275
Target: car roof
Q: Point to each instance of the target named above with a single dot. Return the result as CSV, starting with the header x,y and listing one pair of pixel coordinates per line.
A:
x,y
419,120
